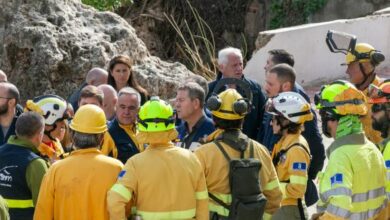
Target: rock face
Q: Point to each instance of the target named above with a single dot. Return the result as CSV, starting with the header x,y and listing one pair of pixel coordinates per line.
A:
x,y
48,46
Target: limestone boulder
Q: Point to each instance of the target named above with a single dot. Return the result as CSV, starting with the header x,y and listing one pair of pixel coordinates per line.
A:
x,y
48,46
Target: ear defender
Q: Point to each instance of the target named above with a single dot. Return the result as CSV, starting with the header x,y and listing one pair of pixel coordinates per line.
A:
x,y
377,57
214,103
240,107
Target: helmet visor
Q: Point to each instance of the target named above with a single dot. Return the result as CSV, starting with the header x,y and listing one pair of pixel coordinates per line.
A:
x,y
340,42
270,107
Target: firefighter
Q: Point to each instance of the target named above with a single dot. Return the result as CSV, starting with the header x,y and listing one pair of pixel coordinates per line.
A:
x,y
353,183
229,110
361,71
164,181
291,154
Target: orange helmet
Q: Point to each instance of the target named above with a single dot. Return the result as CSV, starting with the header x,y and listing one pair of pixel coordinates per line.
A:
x,y
381,94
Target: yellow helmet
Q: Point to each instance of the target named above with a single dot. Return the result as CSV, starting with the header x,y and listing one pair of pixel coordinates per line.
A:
x,y
341,98
364,53
229,105
156,115
89,119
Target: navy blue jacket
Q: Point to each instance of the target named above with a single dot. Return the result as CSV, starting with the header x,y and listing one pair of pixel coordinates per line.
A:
x,y
11,131
202,128
13,165
124,144
253,120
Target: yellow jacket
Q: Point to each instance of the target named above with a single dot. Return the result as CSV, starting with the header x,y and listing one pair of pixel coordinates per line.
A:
x,y
216,169
108,146
163,182
386,157
53,154
292,168
372,134
353,183
76,187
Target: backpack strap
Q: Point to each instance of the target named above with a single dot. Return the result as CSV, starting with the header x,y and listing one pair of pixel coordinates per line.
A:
x,y
222,150
251,150
226,206
276,159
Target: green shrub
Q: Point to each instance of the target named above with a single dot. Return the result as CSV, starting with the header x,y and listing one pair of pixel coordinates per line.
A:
x,y
107,5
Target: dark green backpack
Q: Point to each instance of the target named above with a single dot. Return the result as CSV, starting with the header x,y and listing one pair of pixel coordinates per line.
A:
x,y
248,201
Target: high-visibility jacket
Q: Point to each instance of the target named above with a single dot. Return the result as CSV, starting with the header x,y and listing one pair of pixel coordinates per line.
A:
x,y
163,182
120,141
76,187
292,167
386,157
372,134
353,183
52,151
216,169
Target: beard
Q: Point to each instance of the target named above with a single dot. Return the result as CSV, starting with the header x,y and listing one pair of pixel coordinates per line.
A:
x,y
382,125
3,109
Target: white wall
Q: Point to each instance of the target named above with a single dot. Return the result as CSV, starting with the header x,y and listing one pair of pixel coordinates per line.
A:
x,y
314,62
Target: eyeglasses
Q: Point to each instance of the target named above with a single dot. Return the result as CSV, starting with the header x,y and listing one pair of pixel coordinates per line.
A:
x,y
4,97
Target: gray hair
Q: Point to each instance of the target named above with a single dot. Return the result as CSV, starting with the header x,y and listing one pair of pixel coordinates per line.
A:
x,y
29,124
82,140
195,91
130,91
224,53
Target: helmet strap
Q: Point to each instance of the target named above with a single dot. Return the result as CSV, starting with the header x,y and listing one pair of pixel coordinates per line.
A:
x,y
47,132
368,78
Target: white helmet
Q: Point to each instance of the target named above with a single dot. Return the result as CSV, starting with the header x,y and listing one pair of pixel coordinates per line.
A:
x,y
51,107
290,105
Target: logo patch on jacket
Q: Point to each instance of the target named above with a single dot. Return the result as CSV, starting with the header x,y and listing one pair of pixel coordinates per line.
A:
x,y
387,163
121,174
336,179
299,166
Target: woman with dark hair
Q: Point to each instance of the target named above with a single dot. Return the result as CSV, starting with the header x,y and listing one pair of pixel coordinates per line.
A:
x,y
120,76
291,154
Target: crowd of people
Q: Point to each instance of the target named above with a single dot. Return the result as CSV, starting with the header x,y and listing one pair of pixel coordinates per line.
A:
x,y
227,149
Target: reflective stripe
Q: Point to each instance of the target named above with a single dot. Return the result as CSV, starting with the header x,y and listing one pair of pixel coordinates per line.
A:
x,y
388,175
321,208
185,214
226,198
362,197
283,189
335,192
267,216
121,190
16,203
218,209
272,185
388,195
202,195
335,210
368,214
298,179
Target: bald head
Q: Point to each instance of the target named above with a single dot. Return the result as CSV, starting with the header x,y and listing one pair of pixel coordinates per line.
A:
x,y
96,76
109,101
3,76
